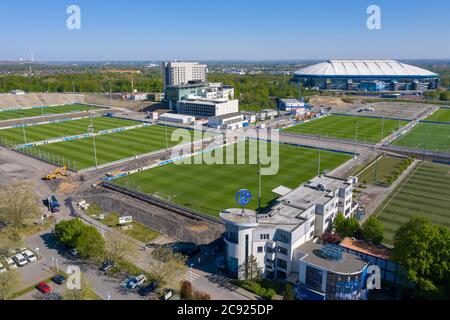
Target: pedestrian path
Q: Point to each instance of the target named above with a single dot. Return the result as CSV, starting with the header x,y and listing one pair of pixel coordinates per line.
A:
x,y
188,276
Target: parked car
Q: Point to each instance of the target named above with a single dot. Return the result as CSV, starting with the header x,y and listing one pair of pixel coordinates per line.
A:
x,y
43,287
20,260
59,279
133,282
146,290
2,268
106,266
10,264
29,256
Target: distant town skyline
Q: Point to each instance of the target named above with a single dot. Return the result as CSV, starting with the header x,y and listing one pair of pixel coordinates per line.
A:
x,y
218,30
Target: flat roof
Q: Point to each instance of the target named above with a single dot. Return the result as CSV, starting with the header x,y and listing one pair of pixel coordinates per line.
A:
x,y
228,115
175,116
347,265
364,247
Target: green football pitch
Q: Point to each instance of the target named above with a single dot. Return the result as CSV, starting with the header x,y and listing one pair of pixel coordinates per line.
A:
x,y
425,192
15,136
441,115
38,112
427,136
79,154
364,129
212,188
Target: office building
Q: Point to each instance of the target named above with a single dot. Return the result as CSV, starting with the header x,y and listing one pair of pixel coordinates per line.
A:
x,y
230,121
175,73
202,107
296,217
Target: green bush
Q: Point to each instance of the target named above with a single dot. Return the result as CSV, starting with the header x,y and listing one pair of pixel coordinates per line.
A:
x,y
269,294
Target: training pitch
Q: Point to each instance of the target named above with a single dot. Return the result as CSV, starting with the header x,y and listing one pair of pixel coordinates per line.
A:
x,y
441,115
426,192
79,154
15,136
427,136
362,129
212,188
44,111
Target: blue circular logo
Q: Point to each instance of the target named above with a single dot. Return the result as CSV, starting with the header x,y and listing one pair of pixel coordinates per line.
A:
x,y
243,197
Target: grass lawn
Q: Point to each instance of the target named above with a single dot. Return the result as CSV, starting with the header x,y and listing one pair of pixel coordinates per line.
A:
x,y
110,147
425,192
344,127
37,112
383,171
15,136
442,115
429,136
212,188
139,232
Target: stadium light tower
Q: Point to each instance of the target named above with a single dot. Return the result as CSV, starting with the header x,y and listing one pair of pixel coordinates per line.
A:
x,y
91,130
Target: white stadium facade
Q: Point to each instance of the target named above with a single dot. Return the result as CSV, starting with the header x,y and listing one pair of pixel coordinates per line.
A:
x,y
366,75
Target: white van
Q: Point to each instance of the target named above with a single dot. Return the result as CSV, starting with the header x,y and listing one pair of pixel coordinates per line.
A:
x,y
20,260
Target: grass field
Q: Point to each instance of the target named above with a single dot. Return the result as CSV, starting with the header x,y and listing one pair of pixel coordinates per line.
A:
x,y
345,127
429,136
212,188
79,154
15,136
442,115
382,171
37,112
425,192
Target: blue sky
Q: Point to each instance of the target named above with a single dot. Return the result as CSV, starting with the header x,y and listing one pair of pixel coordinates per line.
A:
x,y
223,29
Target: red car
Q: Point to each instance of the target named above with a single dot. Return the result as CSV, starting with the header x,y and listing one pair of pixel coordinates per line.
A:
x,y
43,287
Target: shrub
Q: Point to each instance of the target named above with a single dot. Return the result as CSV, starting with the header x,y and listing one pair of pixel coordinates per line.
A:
x,y
269,294
186,291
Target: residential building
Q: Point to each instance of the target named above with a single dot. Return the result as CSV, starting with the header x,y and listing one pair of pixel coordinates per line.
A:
x,y
296,217
175,73
156,96
201,107
249,116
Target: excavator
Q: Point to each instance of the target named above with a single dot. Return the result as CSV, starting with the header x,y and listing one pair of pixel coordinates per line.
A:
x,y
57,173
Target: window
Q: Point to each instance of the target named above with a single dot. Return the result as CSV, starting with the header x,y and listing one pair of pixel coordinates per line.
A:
x,y
259,249
282,263
264,236
283,238
282,250
313,278
232,236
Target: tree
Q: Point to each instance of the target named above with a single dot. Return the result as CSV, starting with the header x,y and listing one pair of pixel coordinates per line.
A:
x,y
346,227
117,248
423,249
186,292
250,269
166,263
9,282
372,230
86,239
288,292
18,206
200,295
90,243
331,237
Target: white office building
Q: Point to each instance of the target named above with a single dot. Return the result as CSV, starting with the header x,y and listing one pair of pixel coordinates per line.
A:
x,y
297,217
229,121
177,118
203,107
175,73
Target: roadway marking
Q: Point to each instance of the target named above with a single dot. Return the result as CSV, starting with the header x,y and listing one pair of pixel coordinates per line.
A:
x,y
189,276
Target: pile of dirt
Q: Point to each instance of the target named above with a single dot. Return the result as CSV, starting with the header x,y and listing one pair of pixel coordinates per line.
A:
x,y
68,187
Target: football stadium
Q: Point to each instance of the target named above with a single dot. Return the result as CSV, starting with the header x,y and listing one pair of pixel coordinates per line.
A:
x,y
366,75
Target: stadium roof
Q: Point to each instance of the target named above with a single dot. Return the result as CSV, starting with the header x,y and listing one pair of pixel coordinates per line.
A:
x,y
364,68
